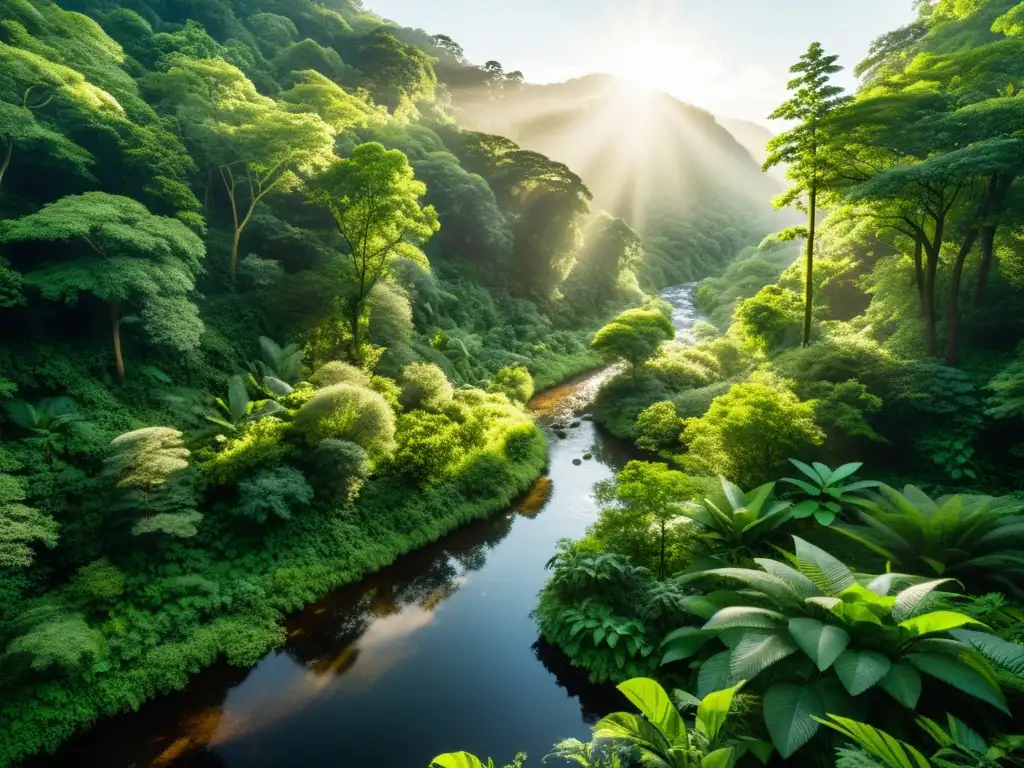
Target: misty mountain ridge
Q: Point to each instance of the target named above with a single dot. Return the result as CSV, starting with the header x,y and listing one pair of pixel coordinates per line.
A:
x,y
675,172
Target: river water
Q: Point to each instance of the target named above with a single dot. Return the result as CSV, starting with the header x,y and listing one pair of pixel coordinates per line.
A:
x,y
435,653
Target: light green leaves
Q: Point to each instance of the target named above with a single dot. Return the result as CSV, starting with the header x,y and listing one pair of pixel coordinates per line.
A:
x,y
892,753
651,699
460,760
823,643
713,711
720,758
938,621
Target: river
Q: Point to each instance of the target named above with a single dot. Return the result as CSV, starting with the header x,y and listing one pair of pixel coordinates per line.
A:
x,y
435,653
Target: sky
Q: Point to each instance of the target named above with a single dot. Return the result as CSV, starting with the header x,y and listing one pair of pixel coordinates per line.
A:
x,y
729,56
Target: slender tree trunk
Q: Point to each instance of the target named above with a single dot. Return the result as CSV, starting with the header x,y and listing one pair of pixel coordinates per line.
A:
x,y
952,311
933,251
234,252
662,569
988,244
931,268
7,161
115,321
355,315
809,289
919,269
998,188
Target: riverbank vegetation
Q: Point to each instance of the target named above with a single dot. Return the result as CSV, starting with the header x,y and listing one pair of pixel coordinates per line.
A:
x,y
875,607
269,317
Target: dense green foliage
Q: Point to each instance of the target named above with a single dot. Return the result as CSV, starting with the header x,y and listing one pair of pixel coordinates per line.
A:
x,y
908,294
876,610
269,317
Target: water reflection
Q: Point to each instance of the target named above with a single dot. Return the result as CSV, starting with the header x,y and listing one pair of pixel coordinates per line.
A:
x,y
436,653
351,637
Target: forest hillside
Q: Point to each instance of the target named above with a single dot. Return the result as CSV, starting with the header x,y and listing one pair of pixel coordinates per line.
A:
x,y
676,173
270,312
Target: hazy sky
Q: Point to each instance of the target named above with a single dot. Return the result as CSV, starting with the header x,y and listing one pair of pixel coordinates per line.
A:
x,y
729,56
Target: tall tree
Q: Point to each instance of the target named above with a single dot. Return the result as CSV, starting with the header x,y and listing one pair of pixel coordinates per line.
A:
x,y
814,99
633,337
649,494
374,198
253,144
113,248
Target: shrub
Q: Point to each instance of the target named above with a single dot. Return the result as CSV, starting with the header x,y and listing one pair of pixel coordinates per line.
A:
x,y
749,432
259,444
658,427
429,445
771,317
425,386
337,372
272,493
681,366
351,413
514,381
702,330
339,470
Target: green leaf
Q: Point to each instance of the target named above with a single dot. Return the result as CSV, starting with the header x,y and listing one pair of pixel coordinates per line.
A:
x,y
903,683
909,600
825,517
713,711
860,485
821,642
714,674
631,728
891,752
826,572
745,616
798,584
613,639
457,760
756,651
651,699
823,472
933,729
938,621
756,498
958,674
804,486
789,712
1000,652
805,509
720,758
860,670
683,643
815,477
759,580
843,472
966,737
759,748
